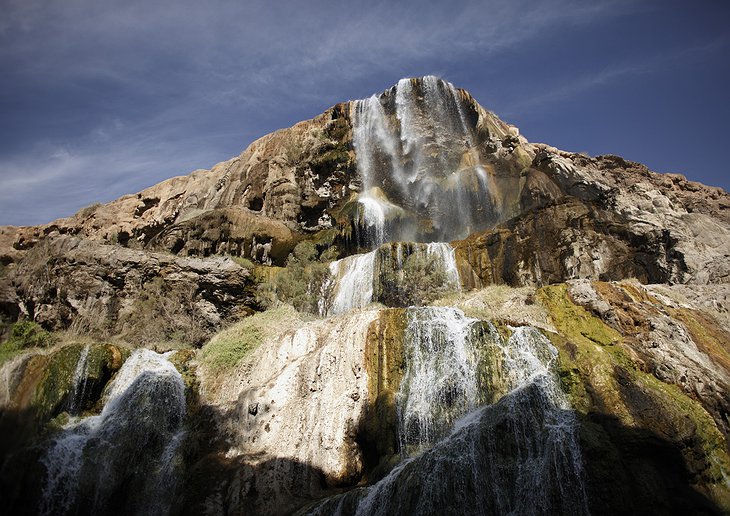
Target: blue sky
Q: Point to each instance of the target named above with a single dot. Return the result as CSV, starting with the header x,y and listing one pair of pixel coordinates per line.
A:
x,y
101,98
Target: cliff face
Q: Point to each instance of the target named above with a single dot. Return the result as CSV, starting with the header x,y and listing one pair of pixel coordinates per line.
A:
x,y
605,219
572,336
279,187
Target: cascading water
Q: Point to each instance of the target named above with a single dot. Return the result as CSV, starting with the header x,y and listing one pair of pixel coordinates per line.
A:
x,y
440,381
417,154
445,255
519,455
353,282
358,279
81,374
128,453
482,423
374,143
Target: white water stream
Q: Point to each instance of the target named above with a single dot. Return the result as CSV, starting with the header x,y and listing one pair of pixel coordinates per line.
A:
x,y
81,374
355,279
423,157
518,456
129,448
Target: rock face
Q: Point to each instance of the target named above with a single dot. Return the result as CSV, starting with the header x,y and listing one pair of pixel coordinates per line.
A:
x,y
290,415
603,218
282,185
65,282
566,352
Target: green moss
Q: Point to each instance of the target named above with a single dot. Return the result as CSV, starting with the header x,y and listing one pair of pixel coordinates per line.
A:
x,y
593,357
243,262
57,383
570,368
325,238
492,378
8,352
711,440
573,321
183,361
710,337
385,365
384,351
226,349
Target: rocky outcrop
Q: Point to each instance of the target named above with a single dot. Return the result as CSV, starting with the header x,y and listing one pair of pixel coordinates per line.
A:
x,y
106,290
679,345
290,413
643,421
571,239
283,184
603,218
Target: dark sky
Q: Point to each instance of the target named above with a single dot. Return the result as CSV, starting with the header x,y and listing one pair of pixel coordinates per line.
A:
x,y
101,98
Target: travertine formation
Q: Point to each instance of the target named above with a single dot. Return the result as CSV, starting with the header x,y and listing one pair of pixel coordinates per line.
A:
x,y
582,300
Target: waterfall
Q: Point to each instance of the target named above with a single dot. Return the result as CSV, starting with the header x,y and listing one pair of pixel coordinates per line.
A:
x,y
129,452
439,384
417,152
446,256
81,374
353,282
373,142
371,224
519,455
372,138
359,279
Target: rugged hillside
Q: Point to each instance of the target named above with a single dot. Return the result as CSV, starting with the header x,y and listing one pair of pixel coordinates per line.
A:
x,y
399,306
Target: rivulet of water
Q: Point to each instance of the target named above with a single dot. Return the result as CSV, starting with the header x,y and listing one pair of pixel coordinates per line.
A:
x,y
439,384
80,379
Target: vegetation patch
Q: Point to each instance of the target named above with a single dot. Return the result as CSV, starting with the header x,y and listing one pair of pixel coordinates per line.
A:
x,y
573,321
421,280
601,376
165,313
25,335
56,389
304,283
243,262
226,349
710,337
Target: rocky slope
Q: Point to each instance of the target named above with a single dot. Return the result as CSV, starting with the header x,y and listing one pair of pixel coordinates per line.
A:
x,y
573,336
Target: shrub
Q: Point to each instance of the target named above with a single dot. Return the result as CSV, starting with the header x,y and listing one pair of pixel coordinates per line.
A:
x,y
243,262
88,210
27,334
24,335
164,312
305,283
421,280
